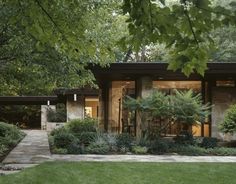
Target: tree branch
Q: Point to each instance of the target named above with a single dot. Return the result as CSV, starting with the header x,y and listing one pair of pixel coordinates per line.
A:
x,y
48,15
125,60
191,26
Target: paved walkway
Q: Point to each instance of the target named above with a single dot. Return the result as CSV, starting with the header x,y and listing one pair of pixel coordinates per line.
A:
x,y
144,158
33,149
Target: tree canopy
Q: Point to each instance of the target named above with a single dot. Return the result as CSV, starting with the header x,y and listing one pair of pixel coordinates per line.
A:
x,y
183,26
48,44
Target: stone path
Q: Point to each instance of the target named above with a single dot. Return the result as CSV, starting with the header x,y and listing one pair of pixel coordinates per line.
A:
x,y
144,158
34,148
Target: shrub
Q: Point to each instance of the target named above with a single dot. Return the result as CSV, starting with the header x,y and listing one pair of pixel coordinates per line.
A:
x,y
99,146
160,146
188,107
124,149
86,137
228,125
184,138
75,147
209,142
58,131
222,151
124,140
63,139
143,141
82,125
111,140
60,151
10,135
188,150
139,149
56,115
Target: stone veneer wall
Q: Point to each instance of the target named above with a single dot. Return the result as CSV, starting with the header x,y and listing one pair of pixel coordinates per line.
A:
x,y
44,119
75,109
222,98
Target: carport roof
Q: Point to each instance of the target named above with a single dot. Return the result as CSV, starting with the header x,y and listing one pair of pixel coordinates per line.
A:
x,y
28,100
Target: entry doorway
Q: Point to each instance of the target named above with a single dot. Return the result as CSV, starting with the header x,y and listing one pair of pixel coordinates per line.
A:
x,y
91,107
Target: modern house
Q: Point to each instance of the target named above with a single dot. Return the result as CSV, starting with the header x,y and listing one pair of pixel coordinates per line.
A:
x,y
217,86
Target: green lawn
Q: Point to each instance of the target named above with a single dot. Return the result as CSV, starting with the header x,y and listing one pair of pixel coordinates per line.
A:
x,y
124,173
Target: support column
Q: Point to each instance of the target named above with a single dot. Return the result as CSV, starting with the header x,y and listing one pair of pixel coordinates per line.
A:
x,y
44,118
75,109
144,89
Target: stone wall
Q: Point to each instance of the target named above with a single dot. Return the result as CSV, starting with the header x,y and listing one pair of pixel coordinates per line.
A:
x,y
44,119
222,98
75,109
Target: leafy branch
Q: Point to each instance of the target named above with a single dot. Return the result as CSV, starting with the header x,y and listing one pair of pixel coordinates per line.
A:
x,y
48,15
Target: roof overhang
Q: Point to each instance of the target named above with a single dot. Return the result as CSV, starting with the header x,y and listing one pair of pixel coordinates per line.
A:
x,y
28,100
159,71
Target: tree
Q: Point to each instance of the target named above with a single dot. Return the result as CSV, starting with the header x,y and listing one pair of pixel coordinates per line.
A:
x,y
228,125
47,44
183,109
183,27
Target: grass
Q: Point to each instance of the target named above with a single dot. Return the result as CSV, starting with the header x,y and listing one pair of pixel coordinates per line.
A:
x,y
124,173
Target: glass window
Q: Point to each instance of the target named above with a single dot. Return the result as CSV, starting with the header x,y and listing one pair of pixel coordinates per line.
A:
x,y
119,117
168,87
91,107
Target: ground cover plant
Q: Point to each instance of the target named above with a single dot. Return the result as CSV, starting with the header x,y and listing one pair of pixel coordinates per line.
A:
x,y
10,135
184,108
125,173
82,137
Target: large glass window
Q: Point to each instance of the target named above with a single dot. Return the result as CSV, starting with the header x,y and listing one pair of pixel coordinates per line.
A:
x,y
120,119
168,87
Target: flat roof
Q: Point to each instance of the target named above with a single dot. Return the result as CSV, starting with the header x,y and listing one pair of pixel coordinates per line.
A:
x,y
28,100
78,91
132,71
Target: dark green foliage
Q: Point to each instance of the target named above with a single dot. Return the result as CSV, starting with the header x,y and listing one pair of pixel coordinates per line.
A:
x,y
182,26
63,139
10,135
82,125
221,151
58,130
58,115
160,146
228,125
188,107
99,146
188,150
124,140
185,138
75,147
209,142
183,108
86,137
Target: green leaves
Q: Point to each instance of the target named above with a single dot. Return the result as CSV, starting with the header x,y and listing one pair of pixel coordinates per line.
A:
x,y
184,27
228,125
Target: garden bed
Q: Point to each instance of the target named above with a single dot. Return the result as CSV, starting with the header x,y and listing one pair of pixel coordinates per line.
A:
x,y
82,137
10,136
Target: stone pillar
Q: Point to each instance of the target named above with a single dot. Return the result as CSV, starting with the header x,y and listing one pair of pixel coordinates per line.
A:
x,y
44,119
222,98
75,109
144,89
